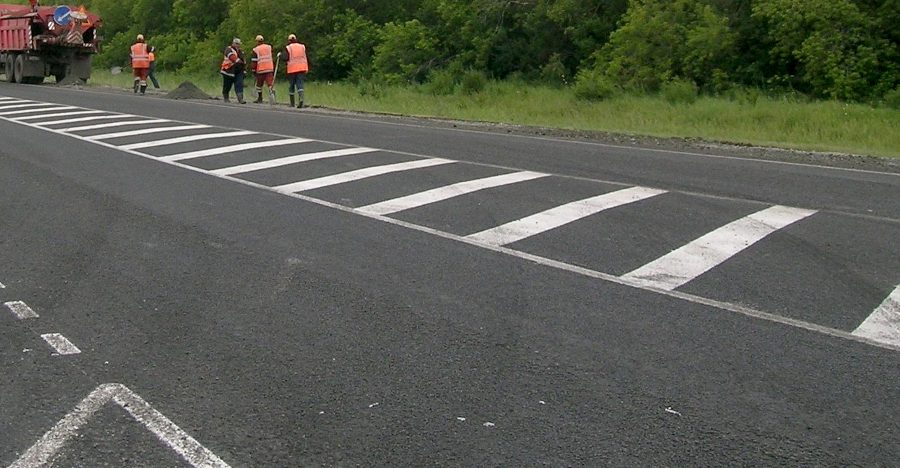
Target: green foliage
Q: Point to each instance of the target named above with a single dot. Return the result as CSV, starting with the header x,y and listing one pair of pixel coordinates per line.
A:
x,y
406,52
679,91
592,85
892,99
473,81
554,72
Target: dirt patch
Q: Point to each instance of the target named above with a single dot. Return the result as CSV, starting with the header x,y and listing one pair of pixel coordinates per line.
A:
x,y
187,90
71,81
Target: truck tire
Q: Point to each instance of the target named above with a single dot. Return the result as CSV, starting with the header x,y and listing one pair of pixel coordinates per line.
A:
x,y
9,68
19,69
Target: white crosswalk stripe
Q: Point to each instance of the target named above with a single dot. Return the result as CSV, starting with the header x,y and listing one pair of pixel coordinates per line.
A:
x,y
272,163
63,114
359,174
32,107
146,131
232,149
883,325
692,260
447,192
106,125
561,215
198,137
32,110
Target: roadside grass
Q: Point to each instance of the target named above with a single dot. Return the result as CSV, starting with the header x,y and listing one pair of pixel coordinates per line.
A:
x,y
777,121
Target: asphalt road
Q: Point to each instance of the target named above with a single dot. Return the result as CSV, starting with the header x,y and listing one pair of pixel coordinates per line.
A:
x,y
218,314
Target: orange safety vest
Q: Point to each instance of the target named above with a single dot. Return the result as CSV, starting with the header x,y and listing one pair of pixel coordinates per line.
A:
x,y
297,62
140,58
264,63
152,57
230,59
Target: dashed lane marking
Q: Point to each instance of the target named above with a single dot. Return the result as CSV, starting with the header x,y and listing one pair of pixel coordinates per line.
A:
x,y
884,323
46,449
561,215
21,309
60,344
692,260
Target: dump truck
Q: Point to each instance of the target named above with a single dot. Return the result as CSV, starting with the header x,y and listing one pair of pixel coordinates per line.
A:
x,y
40,41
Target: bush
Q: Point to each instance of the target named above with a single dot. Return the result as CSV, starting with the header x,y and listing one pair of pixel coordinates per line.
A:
x,y
679,91
554,72
473,81
440,83
892,98
593,86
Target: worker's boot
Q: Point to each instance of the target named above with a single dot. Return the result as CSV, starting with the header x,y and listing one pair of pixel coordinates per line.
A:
x,y
300,103
258,97
225,97
143,88
240,97
271,96
137,84
292,100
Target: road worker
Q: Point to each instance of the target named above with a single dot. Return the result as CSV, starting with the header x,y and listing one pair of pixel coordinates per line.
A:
x,y
262,64
140,63
297,67
232,70
150,73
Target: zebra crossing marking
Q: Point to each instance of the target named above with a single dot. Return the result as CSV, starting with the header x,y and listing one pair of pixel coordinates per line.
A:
x,y
884,323
360,174
232,149
175,141
31,108
106,125
695,258
561,215
271,163
146,131
63,114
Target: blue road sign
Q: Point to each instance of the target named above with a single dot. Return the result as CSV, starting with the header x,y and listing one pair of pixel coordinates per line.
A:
x,y
62,15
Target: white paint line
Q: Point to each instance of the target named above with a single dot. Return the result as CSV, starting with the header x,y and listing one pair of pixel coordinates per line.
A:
x,y
189,138
290,160
63,114
884,323
43,452
30,111
34,107
21,310
561,215
360,174
145,131
2,286
19,103
447,192
61,344
5,98
106,125
692,260
231,149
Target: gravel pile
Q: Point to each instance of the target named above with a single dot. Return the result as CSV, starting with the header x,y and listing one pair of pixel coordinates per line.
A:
x,y
187,90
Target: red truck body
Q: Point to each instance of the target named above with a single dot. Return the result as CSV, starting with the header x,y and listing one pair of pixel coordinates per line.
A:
x,y
40,41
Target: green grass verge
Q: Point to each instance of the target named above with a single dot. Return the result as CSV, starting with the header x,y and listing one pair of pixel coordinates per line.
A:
x,y
766,121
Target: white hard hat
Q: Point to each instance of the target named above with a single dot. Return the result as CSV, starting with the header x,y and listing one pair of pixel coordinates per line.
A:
x,y
292,37
140,37
236,40
259,38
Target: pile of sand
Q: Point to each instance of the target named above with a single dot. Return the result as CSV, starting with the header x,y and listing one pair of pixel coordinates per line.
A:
x,y
71,81
187,90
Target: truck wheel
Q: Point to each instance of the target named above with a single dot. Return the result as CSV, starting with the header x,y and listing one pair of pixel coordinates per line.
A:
x,y
19,69
9,68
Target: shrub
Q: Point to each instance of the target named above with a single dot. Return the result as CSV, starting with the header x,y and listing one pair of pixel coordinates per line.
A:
x,y
554,72
473,81
679,91
892,98
440,82
592,85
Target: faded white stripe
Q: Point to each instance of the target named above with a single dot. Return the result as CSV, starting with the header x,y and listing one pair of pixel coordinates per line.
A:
x,y
189,138
23,104
43,108
884,323
289,160
20,309
145,131
447,192
106,125
692,260
61,344
360,174
232,149
560,216
63,114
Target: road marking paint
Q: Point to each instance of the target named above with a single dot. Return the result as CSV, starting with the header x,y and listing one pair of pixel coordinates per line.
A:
x,y
33,107
691,260
43,452
5,98
289,160
106,125
231,149
63,114
447,192
189,138
21,310
561,215
145,131
2,286
17,103
884,323
61,344
360,174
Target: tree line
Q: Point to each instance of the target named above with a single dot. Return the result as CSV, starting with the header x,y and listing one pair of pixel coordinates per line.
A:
x,y
832,49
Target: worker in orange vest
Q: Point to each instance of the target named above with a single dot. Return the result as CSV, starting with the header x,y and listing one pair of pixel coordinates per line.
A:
x,y
150,73
232,71
262,64
140,63
297,67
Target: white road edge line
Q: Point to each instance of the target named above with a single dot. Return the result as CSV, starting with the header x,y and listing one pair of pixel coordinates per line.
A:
x,y
560,216
20,309
449,191
350,176
701,255
45,450
60,344
721,305
189,138
884,323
